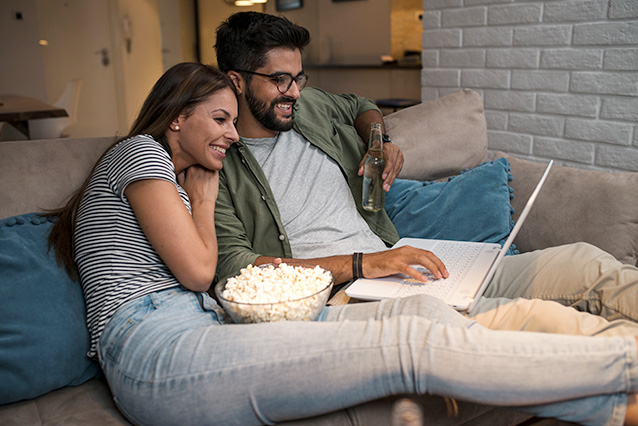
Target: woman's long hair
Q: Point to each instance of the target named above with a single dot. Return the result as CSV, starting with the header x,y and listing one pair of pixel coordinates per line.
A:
x,y
176,93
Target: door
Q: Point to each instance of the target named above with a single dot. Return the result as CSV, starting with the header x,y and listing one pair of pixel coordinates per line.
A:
x,y
77,43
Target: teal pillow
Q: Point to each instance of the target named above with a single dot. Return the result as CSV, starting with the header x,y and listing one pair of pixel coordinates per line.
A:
x,y
43,333
472,206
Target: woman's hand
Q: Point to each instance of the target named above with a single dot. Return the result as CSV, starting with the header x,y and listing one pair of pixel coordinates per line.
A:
x,y
200,183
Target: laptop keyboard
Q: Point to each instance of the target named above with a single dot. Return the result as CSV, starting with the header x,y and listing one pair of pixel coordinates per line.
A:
x,y
457,259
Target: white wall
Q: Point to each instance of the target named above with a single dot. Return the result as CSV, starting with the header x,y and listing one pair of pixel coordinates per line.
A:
x,y
187,30
178,17
22,70
143,64
76,33
559,78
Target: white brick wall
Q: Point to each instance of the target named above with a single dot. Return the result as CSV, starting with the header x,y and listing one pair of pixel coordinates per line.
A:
x,y
559,78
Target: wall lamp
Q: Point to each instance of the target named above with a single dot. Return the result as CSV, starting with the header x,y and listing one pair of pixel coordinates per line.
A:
x,y
244,2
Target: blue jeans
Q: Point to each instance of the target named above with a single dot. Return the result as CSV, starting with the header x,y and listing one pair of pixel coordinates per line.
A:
x,y
173,357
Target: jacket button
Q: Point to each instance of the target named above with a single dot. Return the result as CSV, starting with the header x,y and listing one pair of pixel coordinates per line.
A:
x,y
263,198
281,238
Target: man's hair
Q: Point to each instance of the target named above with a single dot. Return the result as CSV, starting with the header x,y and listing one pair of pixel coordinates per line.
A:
x,y
245,38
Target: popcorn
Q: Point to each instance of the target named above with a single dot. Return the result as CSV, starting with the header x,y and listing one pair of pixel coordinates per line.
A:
x,y
277,293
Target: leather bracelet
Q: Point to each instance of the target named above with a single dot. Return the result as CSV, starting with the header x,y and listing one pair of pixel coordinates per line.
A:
x,y
357,265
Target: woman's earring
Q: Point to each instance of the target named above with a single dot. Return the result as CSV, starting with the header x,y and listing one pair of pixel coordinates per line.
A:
x,y
176,127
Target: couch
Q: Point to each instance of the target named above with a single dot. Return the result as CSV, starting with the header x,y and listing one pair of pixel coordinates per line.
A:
x,y
45,378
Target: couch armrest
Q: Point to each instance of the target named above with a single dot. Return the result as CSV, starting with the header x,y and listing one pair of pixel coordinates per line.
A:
x,y
600,208
441,137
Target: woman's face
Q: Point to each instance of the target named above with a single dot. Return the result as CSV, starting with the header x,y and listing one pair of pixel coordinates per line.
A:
x,y
203,137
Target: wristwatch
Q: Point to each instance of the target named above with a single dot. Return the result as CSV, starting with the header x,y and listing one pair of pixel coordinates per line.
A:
x,y
386,138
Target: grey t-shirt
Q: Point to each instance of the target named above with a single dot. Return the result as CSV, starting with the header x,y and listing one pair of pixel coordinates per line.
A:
x,y
316,206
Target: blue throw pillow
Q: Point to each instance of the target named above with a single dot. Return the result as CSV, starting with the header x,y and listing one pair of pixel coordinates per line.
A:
x,y
472,206
43,334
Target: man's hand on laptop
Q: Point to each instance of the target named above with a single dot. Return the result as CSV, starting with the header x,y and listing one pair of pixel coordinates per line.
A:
x,y
375,265
398,260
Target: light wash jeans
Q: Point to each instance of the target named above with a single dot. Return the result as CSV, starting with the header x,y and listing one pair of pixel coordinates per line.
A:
x,y
170,360
556,290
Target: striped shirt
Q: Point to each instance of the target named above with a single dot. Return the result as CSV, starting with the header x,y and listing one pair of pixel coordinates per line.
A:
x,y
115,260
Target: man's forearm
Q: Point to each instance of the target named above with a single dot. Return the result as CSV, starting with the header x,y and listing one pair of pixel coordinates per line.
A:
x,y
339,266
363,121
375,265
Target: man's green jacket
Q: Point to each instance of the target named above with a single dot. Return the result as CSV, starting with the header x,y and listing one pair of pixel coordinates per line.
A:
x,y
247,219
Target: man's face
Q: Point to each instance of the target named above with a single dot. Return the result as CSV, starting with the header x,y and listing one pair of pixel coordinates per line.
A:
x,y
273,109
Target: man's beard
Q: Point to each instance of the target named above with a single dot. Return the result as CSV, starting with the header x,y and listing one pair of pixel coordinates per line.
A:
x,y
266,115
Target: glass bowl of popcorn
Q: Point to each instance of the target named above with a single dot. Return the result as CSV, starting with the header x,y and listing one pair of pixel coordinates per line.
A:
x,y
275,292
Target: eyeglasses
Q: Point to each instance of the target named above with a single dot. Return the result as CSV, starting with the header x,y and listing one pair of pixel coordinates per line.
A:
x,y
283,80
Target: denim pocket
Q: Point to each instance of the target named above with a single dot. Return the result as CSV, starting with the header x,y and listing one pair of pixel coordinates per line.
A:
x,y
122,324
210,305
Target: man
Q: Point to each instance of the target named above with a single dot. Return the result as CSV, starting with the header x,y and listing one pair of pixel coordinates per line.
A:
x,y
291,187
270,84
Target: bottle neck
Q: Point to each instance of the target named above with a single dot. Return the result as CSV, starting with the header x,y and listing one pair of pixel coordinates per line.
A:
x,y
375,142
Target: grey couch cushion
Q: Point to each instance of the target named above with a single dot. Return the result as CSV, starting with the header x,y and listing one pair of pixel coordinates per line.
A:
x,y
92,404
89,404
440,138
600,208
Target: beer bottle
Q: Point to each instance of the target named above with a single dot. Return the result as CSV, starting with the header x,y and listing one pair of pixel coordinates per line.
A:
x,y
373,193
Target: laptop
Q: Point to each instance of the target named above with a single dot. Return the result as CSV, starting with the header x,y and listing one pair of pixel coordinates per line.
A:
x,y
471,266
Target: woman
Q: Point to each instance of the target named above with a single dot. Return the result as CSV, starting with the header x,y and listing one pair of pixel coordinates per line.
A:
x,y
141,232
